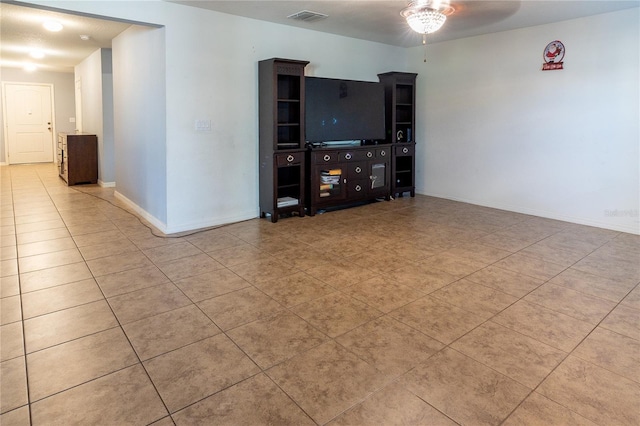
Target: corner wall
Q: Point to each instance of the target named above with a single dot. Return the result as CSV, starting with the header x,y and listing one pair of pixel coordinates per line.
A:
x,y
495,130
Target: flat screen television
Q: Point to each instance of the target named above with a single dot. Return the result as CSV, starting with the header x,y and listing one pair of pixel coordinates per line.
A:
x,y
343,110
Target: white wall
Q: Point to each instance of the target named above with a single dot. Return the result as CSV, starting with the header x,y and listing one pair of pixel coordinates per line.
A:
x,y
495,130
211,68
97,108
140,121
63,93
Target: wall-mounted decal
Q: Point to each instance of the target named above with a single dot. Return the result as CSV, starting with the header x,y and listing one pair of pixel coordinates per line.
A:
x,y
553,56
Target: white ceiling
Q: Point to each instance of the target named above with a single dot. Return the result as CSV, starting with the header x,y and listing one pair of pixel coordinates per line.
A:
x,y
375,20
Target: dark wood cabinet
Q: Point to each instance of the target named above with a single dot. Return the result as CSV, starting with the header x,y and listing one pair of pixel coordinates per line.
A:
x,y
345,175
400,119
77,158
281,147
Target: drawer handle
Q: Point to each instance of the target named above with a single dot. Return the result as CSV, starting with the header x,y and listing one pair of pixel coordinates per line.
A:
x,y
369,154
358,170
327,157
290,158
358,188
347,156
383,153
405,150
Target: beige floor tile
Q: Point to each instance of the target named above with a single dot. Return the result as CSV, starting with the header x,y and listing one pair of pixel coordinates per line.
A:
x,y
8,252
612,351
393,405
36,236
263,270
90,227
187,375
39,226
9,286
255,401
531,266
172,252
421,277
479,252
61,367
295,289
239,307
608,266
11,341
165,421
47,246
214,241
488,397
458,267
383,293
539,410
189,266
62,326
237,255
147,302
327,380
45,278
475,298
565,256
131,280
389,345
336,313
124,397
633,299
518,357
513,283
168,331
110,248
17,417
64,296
13,386
552,328
10,310
211,284
440,320
118,263
340,273
593,285
597,394
569,302
623,320
271,340
99,238
8,267
380,260
49,260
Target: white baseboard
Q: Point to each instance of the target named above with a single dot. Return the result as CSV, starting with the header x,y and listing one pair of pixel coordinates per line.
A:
x,y
539,213
3,163
106,184
143,213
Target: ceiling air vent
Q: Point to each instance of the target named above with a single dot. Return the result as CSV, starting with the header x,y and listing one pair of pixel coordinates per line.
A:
x,y
307,16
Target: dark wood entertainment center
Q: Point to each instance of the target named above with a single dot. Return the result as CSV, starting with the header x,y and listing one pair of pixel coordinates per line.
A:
x,y
296,176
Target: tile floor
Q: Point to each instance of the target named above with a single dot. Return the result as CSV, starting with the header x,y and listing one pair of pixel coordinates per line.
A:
x,y
418,311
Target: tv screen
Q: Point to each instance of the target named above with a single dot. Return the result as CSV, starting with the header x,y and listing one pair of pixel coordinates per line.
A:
x,y
343,110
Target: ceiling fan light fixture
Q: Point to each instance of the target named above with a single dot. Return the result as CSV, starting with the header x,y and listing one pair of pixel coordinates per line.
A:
x,y
37,54
427,16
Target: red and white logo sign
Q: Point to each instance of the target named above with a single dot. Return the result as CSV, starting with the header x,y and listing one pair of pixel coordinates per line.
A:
x,y
553,56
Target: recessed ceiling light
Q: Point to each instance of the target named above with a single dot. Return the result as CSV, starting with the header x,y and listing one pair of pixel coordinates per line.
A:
x,y
30,67
84,37
36,54
53,26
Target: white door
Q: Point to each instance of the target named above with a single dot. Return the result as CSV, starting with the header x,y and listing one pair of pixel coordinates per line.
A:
x,y
29,123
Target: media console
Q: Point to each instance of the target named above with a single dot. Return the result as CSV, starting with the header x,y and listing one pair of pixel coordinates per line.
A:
x,y
298,173
344,175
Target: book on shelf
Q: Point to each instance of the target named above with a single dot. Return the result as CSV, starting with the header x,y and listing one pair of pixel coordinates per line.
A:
x,y
329,180
332,172
287,201
326,186
324,194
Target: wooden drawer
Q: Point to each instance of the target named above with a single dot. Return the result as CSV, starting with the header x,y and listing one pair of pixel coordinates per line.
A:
x,y
289,158
383,152
407,149
356,170
357,188
325,157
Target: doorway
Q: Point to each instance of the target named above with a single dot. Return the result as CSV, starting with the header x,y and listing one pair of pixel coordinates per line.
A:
x,y
29,130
